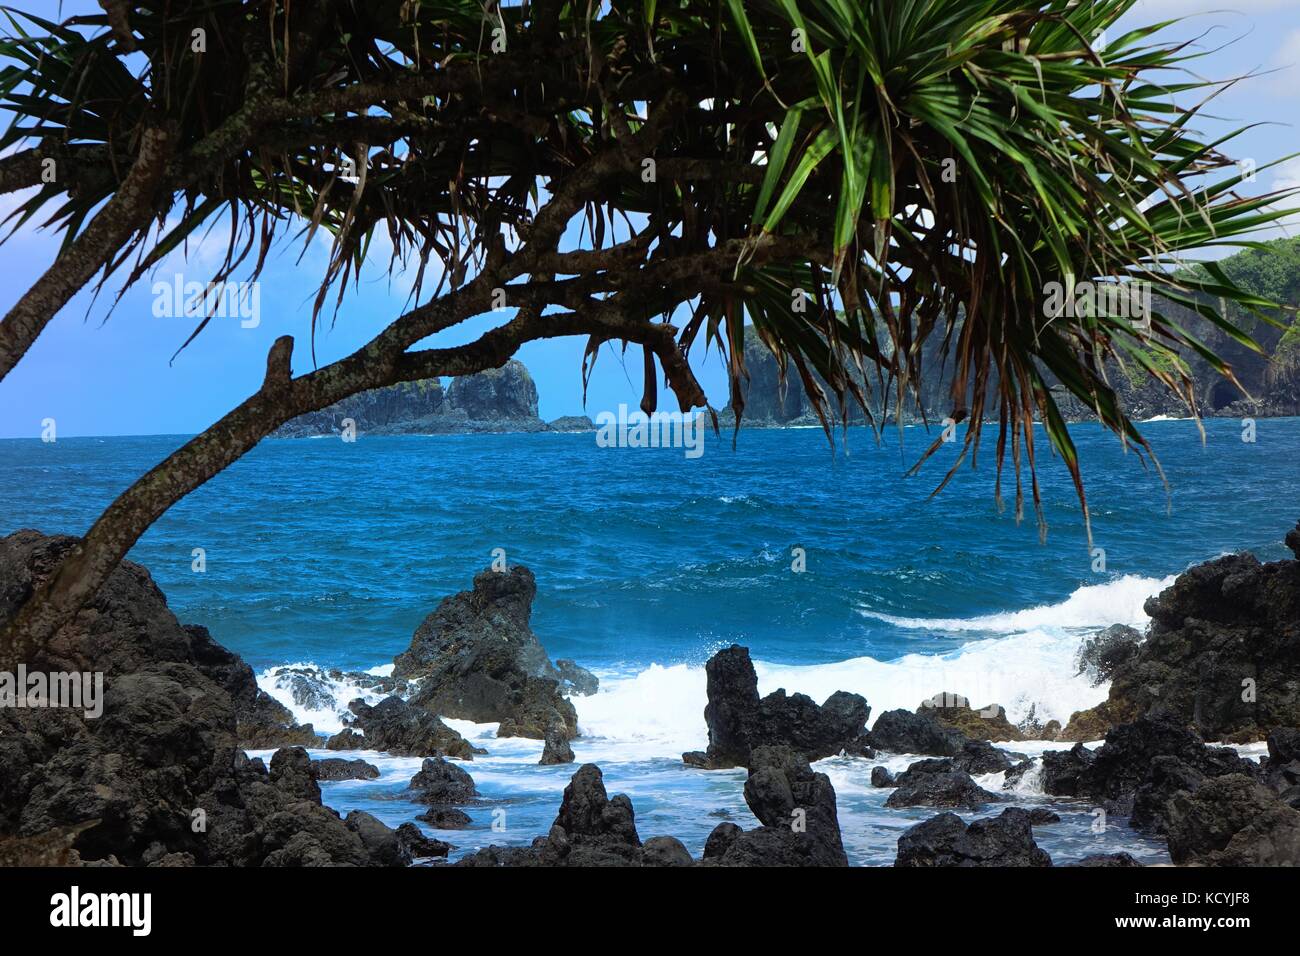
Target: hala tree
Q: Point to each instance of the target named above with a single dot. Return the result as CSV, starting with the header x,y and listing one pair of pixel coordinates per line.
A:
x,y
851,178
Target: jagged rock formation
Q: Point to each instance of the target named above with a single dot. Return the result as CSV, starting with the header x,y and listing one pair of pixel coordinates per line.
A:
x,y
1222,653
796,807
477,658
739,720
159,777
1004,840
397,727
497,400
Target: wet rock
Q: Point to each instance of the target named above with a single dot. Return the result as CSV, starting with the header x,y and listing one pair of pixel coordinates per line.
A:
x,y
796,807
1233,821
1042,816
418,846
981,757
718,842
1282,768
1106,859
445,818
575,679
937,783
382,843
985,723
477,659
903,732
1101,654
336,768
1062,770
166,748
442,783
399,728
557,749
591,829
665,851
740,721
1224,627
881,777
291,772
1005,840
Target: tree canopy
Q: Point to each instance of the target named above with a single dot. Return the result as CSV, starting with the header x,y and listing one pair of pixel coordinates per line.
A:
x,y
854,179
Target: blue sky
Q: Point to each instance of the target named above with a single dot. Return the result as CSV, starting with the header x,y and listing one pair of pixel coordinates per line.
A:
x,y
101,374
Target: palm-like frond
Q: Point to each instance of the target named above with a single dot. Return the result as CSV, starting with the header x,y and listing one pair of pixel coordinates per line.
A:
x,y
943,159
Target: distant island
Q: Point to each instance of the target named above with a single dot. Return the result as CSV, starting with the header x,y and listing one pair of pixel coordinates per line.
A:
x,y
498,400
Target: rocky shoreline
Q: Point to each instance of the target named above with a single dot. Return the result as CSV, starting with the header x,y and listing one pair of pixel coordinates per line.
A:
x,y
162,778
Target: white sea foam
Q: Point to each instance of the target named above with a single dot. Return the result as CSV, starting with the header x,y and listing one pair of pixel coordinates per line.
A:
x,y
1094,605
1023,660
327,718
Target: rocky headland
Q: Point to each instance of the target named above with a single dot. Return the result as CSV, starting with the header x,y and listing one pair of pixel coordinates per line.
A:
x,y
498,400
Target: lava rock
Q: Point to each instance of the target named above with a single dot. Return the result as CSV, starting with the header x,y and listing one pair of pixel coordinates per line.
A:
x,y
575,679
441,783
739,720
445,818
665,851
397,727
1282,769
937,783
1230,623
985,723
1004,840
591,829
557,749
125,787
1233,821
419,846
382,843
477,659
796,807
336,768
1106,859
903,732
1104,652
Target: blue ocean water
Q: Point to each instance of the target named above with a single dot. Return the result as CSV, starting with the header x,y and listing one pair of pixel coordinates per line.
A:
x,y
647,561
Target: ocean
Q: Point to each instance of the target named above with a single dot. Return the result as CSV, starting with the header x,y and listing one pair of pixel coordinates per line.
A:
x,y
836,570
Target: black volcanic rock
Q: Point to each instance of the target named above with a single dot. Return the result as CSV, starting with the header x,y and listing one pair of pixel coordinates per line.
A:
x,y
418,845
797,810
1004,840
441,783
159,777
336,768
1102,653
739,720
903,732
1222,653
937,783
591,829
399,728
1233,821
1282,769
557,749
477,659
